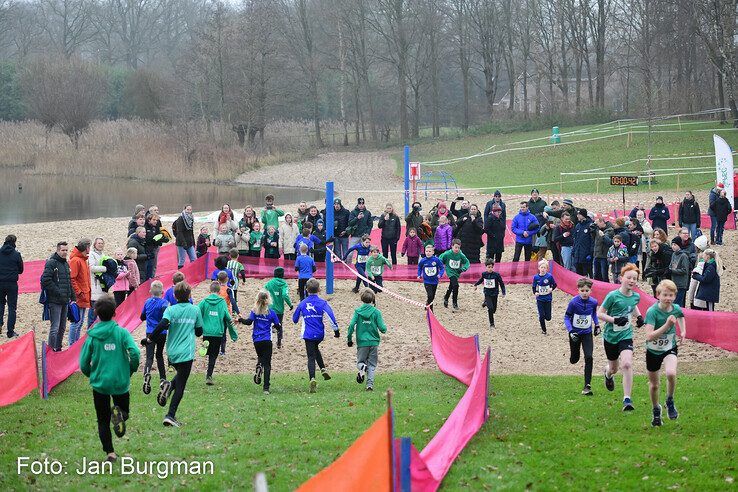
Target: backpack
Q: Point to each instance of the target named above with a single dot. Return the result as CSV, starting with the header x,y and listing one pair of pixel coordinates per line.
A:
x,y
108,277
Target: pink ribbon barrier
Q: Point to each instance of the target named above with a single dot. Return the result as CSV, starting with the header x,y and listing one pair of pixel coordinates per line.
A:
x,y
456,356
18,372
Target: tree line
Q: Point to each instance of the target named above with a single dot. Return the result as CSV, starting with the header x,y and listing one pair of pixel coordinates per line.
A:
x,y
373,65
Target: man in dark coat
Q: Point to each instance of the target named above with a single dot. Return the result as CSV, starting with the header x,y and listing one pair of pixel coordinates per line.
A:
x,y
360,222
414,218
496,200
659,215
469,230
56,281
689,214
495,228
340,224
11,266
584,238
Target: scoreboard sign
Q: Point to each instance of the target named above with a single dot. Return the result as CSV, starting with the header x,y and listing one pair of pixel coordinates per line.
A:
x,y
624,180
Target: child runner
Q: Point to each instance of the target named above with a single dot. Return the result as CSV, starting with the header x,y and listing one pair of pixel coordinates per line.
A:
x,y
368,323
184,322
543,287
203,242
312,309
375,267
305,267
455,263
215,318
580,318
263,319
493,283
430,270
271,243
238,273
362,254
109,357
152,312
661,347
169,295
279,292
221,265
255,241
412,247
616,311
226,293
307,238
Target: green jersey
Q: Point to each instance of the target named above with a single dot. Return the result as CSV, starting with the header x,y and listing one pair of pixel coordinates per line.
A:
x,y
279,291
236,268
456,263
617,304
183,318
657,317
270,217
375,266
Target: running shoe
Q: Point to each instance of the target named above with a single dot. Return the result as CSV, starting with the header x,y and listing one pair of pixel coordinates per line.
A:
x,y
111,457
656,421
587,391
628,405
355,290
171,422
445,302
325,374
257,374
313,385
361,374
118,420
164,390
671,409
609,381
12,334
279,343
491,326
209,380
370,388
455,307
266,392
147,384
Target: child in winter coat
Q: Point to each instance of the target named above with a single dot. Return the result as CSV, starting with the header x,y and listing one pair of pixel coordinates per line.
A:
x,y
617,257
203,242
271,243
320,248
109,357
224,241
134,280
122,281
708,290
444,235
243,236
679,269
412,247
368,323
255,241
288,233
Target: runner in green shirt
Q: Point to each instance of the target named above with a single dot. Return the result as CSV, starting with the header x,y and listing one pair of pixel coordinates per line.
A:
x,y
661,347
279,292
616,311
456,263
375,267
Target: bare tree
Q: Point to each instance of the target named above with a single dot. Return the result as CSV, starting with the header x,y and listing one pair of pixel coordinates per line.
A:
x,y
484,18
459,14
67,23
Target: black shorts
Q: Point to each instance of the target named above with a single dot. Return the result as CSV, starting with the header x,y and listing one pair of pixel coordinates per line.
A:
x,y
654,361
612,350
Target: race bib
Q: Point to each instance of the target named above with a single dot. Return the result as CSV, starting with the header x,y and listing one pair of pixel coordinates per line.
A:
x,y
581,321
544,289
376,270
455,264
361,258
662,344
489,283
617,328
430,271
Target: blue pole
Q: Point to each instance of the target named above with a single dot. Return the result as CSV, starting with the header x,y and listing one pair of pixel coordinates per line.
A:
x,y
328,233
406,159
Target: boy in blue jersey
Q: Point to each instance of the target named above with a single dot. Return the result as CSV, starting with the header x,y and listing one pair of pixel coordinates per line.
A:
x,y
312,309
152,312
543,287
305,267
221,265
430,270
263,318
362,254
308,239
169,294
580,318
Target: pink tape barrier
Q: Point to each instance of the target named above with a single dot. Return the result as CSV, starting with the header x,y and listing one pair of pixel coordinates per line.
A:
x,y
18,372
456,356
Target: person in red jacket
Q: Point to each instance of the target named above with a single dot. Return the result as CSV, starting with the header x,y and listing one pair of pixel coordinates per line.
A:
x,y
79,272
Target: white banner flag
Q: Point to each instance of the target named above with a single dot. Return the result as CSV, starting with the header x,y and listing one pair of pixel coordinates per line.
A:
x,y
724,165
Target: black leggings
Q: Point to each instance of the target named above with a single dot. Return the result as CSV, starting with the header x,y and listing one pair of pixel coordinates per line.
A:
x,y
102,409
453,290
264,355
156,348
301,283
390,247
178,385
213,351
313,352
377,280
280,329
491,302
119,296
586,344
430,290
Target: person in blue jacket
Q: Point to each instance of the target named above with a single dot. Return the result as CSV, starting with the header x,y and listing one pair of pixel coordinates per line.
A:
x,y
709,287
152,312
524,226
430,270
308,238
312,309
305,267
659,215
263,320
543,287
581,324
584,237
362,254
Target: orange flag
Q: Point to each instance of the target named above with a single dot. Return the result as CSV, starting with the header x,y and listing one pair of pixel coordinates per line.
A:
x,y
365,466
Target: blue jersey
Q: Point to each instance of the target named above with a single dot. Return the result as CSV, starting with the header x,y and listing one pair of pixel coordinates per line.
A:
x,y
310,241
231,280
581,315
304,265
169,297
545,286
262,327
312,309
431,269
154,309
362,253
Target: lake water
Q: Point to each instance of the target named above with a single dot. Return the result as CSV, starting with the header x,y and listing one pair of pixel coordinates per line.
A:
x,y
53,198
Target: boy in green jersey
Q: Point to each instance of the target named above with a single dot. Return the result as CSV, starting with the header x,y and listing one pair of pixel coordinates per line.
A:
x,y
616,311
456,263
661,347
279,293
375,267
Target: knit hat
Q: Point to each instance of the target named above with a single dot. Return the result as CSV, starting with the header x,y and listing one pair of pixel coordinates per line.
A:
x,y
701,243
497,193
534,190
337,201
568,201
360,201
319,221
582,212
721,185
660,198
279,272
677,240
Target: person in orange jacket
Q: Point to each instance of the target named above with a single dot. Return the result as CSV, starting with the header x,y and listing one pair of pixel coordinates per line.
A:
x,y
79,271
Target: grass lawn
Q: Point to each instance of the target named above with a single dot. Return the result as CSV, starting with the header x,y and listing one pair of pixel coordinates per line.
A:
x,y
542,433
509,169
